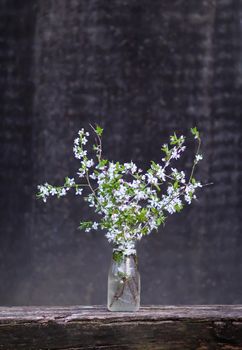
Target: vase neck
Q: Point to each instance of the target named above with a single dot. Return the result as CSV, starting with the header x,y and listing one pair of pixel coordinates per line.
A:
x,y
119,258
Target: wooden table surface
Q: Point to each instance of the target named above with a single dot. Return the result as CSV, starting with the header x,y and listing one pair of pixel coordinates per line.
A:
x,y
152,327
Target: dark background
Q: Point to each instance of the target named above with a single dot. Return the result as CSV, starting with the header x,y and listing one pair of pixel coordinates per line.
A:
x,y
141,69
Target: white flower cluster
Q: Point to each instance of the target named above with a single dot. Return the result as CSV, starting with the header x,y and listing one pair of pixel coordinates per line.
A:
x,y
47,190
78,144
131,202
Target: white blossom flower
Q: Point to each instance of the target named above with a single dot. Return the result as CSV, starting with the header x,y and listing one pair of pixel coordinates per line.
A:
x,y
81,173
84,140
81,132
95,226
70,181
43,190
161,173
90,163
79,191
133,168
93,176
53,191
175,153
151,179
63,192
198,157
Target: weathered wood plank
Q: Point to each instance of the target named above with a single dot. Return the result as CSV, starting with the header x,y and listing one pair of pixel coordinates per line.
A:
x,y
152,328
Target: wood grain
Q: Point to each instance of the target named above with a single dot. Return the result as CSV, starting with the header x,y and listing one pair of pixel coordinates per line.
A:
x,y
153,327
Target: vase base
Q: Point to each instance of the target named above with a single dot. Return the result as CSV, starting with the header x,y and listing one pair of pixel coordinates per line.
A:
x,y
123,309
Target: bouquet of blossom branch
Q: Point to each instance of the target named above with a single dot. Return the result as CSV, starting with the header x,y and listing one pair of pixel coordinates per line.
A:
x,y
131,202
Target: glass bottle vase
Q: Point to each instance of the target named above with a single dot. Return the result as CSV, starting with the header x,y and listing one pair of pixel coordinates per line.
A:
x,y
123,283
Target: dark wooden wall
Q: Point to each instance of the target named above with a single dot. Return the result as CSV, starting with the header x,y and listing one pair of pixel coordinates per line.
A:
x,y
142,69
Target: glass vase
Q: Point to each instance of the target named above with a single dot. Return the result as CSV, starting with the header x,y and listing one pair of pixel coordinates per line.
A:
x,y
123,283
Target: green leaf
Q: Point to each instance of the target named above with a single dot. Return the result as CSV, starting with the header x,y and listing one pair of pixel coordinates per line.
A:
x,y
154,165
102,163
173,139
195,132
160,220
118,256
99,130
193,181
142,215
157,187
176,185
85,224
178,207
165,149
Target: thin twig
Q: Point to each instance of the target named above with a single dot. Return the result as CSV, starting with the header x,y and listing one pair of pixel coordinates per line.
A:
x,y
99,144
117,295
195,162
